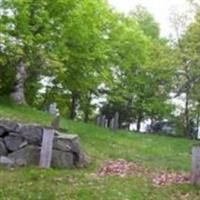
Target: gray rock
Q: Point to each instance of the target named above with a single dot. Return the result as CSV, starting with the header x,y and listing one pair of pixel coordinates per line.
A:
x,y
9,125
84,160
7,162
62,159
29,155
20,162
2,131
13,143
67,142
23,144
33,134
3,150
11,133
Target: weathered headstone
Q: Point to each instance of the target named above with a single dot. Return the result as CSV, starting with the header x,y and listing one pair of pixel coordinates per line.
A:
x,y
56,116
56,121
48,137
106,123
196,165
111,125
103,121
53,108
47,147
98,120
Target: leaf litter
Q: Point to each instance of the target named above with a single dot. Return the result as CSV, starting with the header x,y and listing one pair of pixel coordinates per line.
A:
x,y
124,168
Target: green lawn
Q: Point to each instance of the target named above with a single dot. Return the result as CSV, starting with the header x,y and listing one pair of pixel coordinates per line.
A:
x,y
154,152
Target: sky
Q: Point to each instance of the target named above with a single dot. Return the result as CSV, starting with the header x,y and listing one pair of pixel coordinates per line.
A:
x,y
161,10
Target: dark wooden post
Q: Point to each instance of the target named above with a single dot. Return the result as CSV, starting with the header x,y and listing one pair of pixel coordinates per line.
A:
x,y
196,165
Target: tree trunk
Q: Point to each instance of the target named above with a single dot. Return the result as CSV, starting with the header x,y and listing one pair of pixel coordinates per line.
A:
x,y
198,118
187,128
87,108
17,94
86,115
139,120
74,99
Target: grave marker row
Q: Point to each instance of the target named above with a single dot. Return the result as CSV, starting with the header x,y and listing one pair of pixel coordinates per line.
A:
x,y
103,122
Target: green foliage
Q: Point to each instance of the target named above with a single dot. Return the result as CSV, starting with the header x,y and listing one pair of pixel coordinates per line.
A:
x,y
146,22
7,74
88,50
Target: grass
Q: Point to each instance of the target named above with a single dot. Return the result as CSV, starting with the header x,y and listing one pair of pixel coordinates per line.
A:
x,y
151,151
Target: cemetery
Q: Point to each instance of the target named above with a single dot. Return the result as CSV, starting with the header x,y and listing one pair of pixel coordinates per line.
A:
x,y
99,100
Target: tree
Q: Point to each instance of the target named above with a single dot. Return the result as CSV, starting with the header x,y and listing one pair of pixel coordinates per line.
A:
x,y
146,22
187,56
85,66
30,35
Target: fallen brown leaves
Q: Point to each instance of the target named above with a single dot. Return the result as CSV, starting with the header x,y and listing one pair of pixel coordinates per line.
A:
x,y
165,178
125,168
120,168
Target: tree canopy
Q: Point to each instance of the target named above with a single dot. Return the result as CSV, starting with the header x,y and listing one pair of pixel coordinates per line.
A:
x,y
87,57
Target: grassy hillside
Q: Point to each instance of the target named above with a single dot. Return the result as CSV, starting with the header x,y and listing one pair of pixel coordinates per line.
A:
x,y
157,153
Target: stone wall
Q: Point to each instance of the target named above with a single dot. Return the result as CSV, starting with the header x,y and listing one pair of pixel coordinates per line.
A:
x,y
20,145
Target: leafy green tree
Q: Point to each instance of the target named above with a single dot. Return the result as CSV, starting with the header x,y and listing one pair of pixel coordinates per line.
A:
x,y
146,22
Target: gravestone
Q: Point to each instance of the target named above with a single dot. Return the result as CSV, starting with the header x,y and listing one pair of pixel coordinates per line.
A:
x,y
196,165
111,125
53,108
56,121
56,116
98,120
47,147
48,137
102,123
106,123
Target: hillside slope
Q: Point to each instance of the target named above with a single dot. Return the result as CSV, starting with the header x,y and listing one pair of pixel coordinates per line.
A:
x,y
153,152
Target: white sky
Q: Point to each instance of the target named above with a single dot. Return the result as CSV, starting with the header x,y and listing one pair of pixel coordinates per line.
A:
x,y
160,9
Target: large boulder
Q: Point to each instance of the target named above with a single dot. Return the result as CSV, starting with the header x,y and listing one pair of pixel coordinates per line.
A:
x,y
6,162
33,134
62,159
13,143
67,142
3,150
84,160
9,125
29,155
